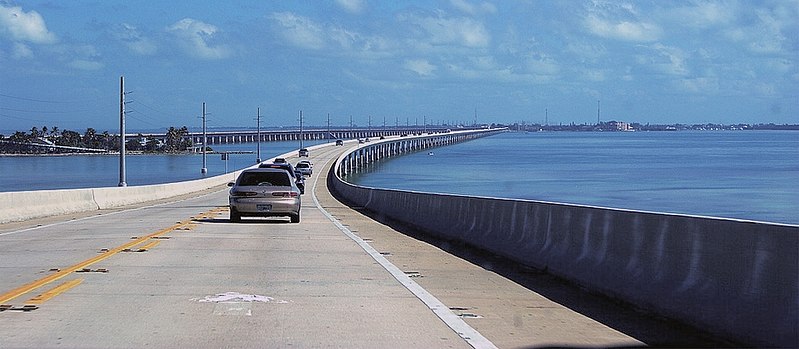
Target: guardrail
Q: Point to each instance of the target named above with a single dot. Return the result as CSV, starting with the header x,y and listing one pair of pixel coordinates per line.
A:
x,y
733,278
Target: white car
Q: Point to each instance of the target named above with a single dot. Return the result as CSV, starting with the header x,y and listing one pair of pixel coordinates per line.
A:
x,y
264,192
304,167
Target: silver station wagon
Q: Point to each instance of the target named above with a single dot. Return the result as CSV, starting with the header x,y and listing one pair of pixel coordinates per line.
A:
x,y
264,192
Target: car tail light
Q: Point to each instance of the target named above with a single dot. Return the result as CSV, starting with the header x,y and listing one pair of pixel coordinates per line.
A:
x,y
286,194
238,193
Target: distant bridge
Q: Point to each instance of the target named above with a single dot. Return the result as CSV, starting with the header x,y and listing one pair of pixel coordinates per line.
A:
x,y
250,136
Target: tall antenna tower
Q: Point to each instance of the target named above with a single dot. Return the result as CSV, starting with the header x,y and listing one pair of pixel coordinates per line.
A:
x,y
597,112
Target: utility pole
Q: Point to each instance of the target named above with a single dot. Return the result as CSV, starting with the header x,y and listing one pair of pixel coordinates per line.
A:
x,y
122,176
258,154
300,129
328,128
204,169
546,116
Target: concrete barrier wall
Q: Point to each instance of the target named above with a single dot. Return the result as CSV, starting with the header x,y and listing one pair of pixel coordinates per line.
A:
x,y
24,205
737,279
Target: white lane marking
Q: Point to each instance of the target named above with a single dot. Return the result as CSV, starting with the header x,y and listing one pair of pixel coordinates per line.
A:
x,y
235,297
456,323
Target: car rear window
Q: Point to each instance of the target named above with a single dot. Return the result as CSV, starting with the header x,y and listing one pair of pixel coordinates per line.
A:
x,y
264,179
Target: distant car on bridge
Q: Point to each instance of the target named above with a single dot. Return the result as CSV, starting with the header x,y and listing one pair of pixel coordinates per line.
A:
x,y
339,142
303,152
264,192
304,167
285,166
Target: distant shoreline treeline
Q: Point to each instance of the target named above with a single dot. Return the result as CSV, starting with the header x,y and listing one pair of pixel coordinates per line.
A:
x,y
54,141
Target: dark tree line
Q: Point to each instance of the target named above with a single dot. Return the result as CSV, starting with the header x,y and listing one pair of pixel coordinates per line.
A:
x,y
175,140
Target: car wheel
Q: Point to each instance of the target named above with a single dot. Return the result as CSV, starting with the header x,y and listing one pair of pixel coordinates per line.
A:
x,y
295,218
235,216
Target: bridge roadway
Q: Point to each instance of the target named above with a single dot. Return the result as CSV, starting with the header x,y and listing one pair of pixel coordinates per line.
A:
x,y
178,274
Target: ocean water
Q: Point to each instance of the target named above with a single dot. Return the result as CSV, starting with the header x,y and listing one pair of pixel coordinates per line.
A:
x,y
751,175
20,173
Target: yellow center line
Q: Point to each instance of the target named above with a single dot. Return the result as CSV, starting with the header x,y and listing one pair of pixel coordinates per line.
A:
x,y
150,245
66,271
44,297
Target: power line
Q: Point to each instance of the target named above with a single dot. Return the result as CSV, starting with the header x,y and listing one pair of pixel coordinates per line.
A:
x,y
23,119
29,99
42,111
47,101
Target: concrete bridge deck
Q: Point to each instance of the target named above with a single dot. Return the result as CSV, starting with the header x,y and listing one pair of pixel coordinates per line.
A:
x,y
193,279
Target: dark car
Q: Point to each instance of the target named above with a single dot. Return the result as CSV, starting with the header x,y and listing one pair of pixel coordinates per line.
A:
x,y
299,178
339,142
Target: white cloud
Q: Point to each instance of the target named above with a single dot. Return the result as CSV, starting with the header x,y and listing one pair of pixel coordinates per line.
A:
x,y
302,32
86,57
299,31
130,35
594,75
468,8
543,65
21,50
704,85
705,14
420,66
665,59
623,30
83,64
452,31
24,26
196,37
352,6
767,34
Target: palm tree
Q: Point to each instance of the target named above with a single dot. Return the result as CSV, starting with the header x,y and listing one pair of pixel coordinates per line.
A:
x,y
19,136
53,134
34,132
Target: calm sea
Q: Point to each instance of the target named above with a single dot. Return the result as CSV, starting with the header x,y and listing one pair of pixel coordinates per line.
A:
x,y
19,173
737,174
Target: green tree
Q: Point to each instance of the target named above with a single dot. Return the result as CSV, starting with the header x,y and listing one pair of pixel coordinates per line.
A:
x,y
134,144
34,133
175,139
90,139
53,135
19,136
152,145
70,139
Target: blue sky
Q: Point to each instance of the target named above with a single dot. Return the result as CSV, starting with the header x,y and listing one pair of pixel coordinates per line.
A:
x,y
398,61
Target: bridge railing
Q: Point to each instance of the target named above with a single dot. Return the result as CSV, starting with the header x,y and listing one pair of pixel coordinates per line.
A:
x,y
734,278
